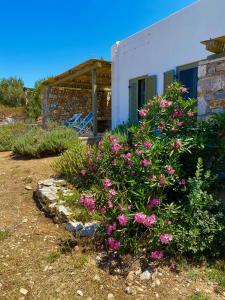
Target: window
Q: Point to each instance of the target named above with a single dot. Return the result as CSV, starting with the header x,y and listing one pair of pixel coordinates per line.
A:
x,y
141,89
188,76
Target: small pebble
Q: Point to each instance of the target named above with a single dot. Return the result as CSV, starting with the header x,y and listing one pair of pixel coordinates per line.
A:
x,y
28,187
110,296
80,293
23,291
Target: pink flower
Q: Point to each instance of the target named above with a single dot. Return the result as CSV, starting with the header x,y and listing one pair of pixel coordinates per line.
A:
x,y
143,112
107,183
149,221
139,218
145,163
110,204
148,144
177,144
123,220
138,152
177,113
180,124
113,244
165,103
165,238
183,182
169,170
184,90
88,201
113,162
102,210
112,192
161,126
130,162
162,181
157,254
83,172
168,222
153,203
110,228
116,147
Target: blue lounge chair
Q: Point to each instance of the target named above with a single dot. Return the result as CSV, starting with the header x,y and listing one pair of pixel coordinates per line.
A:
x,y
73,120
84,124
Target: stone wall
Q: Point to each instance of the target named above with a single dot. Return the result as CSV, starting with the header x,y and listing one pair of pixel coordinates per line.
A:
x,y
63,103
211,87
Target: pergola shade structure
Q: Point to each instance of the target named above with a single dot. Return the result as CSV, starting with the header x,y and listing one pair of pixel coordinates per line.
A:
x,y
86,87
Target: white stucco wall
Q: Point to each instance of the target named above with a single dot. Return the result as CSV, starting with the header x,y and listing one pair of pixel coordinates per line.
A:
x,y
161,47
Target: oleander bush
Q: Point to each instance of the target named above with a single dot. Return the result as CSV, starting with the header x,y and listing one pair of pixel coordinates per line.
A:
x,y
39,143
154,184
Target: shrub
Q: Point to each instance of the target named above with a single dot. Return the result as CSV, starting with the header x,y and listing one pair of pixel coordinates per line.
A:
x,y
9,133
38,142
71,162
144,184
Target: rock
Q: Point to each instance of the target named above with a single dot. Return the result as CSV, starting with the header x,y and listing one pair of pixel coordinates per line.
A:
x,y
97,278
130,276
146,275
23,291
73,226
27,187
157,295
110,296
130,290
88,230
0,285
88,298
80,293
138,272
157,282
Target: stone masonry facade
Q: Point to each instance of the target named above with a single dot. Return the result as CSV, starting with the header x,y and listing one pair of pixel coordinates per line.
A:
x,y
211,87
63,103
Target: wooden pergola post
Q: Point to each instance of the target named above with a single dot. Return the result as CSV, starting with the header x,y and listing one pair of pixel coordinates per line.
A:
x,y
94,101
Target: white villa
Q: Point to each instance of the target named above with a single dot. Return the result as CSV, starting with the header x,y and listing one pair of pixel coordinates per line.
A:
x,y
144,64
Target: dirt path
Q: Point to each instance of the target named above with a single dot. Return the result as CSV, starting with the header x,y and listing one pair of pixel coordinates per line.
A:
x,y
29,256
29,249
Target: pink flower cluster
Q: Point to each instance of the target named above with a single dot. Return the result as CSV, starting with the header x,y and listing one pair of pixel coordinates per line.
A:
x,y
165,103
147,145
143,113
177,113
165,238
107,183
170,170
155,202
145,163
141,218
110,228
177,144
88,201
113,244
123,220
157,255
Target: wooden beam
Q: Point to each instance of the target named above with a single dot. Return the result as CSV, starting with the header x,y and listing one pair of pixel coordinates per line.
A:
x,y
94,101
77,73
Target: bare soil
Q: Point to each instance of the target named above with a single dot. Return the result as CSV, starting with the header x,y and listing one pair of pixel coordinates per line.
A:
x,y
34,253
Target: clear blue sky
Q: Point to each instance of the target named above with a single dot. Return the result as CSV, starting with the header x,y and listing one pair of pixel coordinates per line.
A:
x,y
40,38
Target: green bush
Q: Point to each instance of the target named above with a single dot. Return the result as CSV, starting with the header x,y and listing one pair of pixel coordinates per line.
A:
x,y
38,142
9,133
145,186
71,162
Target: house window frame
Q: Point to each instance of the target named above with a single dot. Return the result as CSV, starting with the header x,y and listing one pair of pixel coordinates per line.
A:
x,y
185,68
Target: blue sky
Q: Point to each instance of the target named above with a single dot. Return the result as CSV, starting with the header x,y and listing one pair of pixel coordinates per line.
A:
x,y
43,38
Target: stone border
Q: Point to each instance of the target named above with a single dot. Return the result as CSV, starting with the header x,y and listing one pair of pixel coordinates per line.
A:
x,y
47,199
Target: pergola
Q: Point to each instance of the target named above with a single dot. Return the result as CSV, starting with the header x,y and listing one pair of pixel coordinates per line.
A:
x,y
93,74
